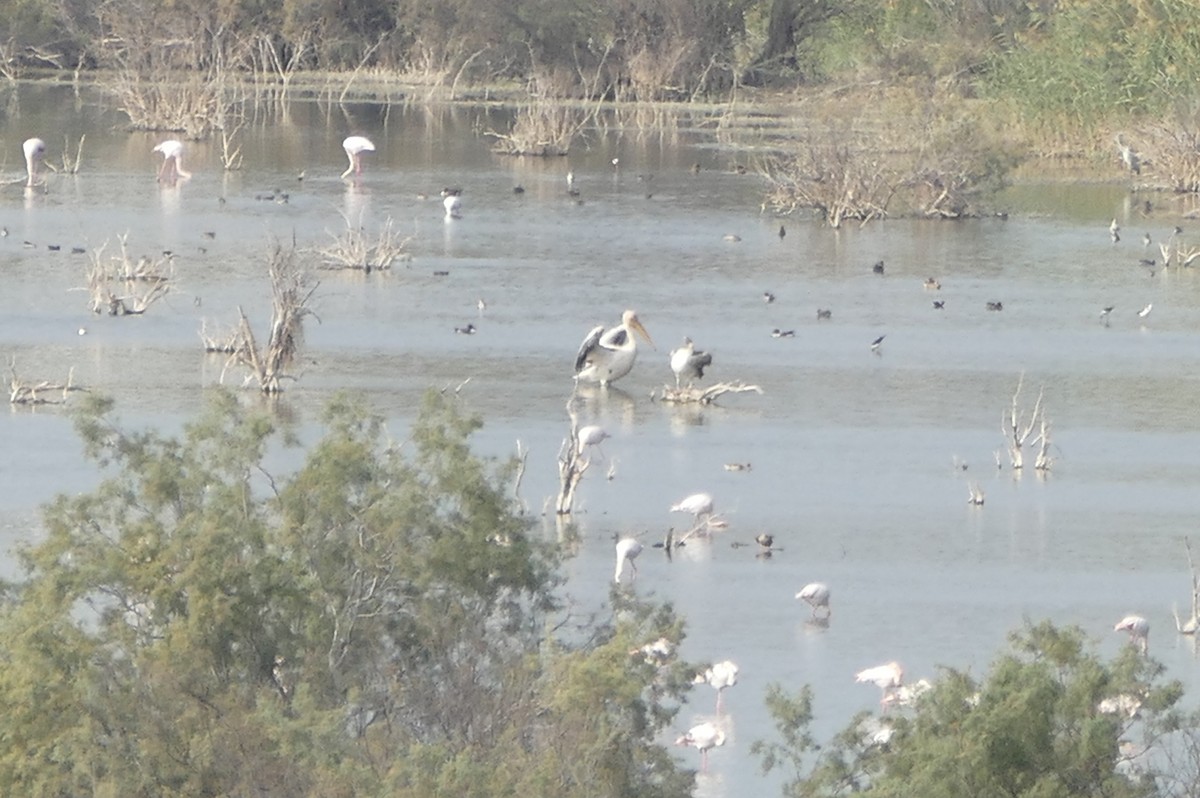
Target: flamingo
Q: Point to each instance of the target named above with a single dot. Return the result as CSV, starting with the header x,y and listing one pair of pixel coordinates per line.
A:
x,y
887,678
687,362
452,202
35,151
628,550
656,653
703,737
172,165
1139,631
606,356
720,676
591,435
355,146
698,504
817,596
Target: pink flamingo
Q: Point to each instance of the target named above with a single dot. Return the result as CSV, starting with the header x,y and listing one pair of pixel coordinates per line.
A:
x,y
172,165
720,676
887,678
703,736
628,550
35,151
817,596
355,146
1138,629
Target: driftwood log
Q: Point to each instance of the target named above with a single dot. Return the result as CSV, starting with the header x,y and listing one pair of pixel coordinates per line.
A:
x,y
43,392
691,394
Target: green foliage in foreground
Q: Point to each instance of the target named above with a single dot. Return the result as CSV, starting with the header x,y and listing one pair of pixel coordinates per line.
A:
x,y
1035,727
374,623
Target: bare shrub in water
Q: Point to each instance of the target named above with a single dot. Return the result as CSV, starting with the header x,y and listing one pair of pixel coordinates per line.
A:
x,y
543,128
958,165
1173,155
831,177
291,293
353,249
120,286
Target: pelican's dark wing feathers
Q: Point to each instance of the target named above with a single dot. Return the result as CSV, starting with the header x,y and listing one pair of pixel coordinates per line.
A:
x,y
587,347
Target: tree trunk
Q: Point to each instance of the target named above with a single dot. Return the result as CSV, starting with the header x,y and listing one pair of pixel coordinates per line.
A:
x,y
790,23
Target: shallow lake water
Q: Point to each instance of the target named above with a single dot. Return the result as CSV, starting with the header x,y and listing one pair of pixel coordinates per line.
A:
x,y
853,452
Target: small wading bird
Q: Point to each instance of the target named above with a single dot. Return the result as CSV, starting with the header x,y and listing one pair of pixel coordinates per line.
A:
x,y
703,737
824,314
35,151
878,267
171,169
1131,159
606,356
689,363
355,146
720,676
1114,231
817,596
628,550
1105,312
778,333
1144,312
887,678
1138,629
878,342
469,329
591,435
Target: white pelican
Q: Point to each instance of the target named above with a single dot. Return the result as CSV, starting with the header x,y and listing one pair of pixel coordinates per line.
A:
x,y
720,676
591,435
817,596
687,362
703,737
696,505
907,694
355,146
172,165
656,653
628,550
887,678
452,202
35,151
608,355
1138,629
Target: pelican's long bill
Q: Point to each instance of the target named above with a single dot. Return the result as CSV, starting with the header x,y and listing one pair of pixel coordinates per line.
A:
x,y
634,323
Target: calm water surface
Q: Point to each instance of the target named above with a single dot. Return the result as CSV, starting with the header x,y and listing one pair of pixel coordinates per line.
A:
x,y
852,451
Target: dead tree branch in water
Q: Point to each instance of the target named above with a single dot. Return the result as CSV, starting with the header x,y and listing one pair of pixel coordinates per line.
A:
x,y
1190,626
144,282
21,392
291,294
1017,432
572,465
692,394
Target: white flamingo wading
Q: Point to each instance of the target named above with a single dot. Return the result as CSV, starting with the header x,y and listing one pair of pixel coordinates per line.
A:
x,y
703,737
1138,629
355,146
628,550
172,165
888,678
817,596
35,151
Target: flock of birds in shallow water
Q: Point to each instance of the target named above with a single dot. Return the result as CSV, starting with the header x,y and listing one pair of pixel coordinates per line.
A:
x,y
608,354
